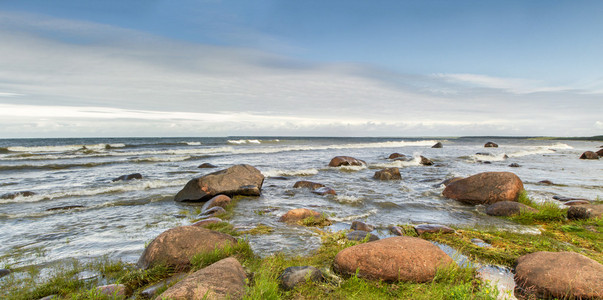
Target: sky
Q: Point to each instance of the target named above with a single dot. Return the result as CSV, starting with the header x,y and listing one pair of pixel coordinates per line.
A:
x,y
114,68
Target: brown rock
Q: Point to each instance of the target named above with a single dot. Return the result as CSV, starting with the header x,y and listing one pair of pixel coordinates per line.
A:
x,y
324,191
357,225
388,174
563,275
491,145
396,155
206,166
217,201
448,181
346,161
307,185
176,246
360,235
437,145
236,180
400,258
207,221
115,291
508,208
433,228
485,188
576,202
224,279
589,155
14,195
592,211
514,165
298,214
600,152
212,212
426,161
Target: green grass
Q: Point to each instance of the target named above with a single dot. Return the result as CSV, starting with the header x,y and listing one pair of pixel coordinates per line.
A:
x,y
259,229
312,221
547,212
242,251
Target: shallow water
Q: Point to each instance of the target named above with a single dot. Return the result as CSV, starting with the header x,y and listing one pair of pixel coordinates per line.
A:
x,y
117,218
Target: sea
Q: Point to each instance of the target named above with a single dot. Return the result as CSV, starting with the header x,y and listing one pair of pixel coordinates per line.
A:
x,y
78,212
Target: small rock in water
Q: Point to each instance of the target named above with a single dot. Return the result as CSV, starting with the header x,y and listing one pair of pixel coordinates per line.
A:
x,y
65,207
589,155
214,211
324,191
128,177
206,222
491,145
437,145
396,155
293,276
388,174
396,230
514,165
426,161
116,291
307,185
565,199
546,182
579,213
17,194
206,166
480,243
278,177
357,225
219,200
298,214
359,235
4,272
346,161
600,152
576,202
433,228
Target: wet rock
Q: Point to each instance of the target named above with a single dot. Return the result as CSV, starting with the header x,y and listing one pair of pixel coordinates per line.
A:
x,y
346,161
206,166
359,235
426,161
4,272
115,291
562,275
324,191
212,212
433,228
237,180
217,201
514,165
400,258
388,174
491,145
485,162
128,177
396,230
357,225
293,276
14,195
600,152
437,145
589,155
298,214
448,181
485,188
224,279
508,208
176,246
65,207
545,182
150,292
206,222
308,185
480,243
576,202
565,199
396,155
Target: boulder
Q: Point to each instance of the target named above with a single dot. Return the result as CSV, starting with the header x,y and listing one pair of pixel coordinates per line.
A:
x,y
4,272
433,228
176,246
206,166
346,161
589,155
562,275
399,258
217,201
237,180
448,181
437,145
292,276
485,188
224,279
396,230
324,191
298,214
150,292
206,222
357,225
576,202
508,208
514,165
579,213
600,152
388,174
426,161
491,145
307,185
360,235
396,155
212,212
114,291
128,177
14,195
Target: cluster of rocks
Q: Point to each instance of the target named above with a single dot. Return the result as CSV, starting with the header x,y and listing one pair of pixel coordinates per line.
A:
x,y
592,154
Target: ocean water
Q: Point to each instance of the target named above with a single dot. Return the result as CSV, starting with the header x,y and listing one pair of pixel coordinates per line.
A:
x,y
117,219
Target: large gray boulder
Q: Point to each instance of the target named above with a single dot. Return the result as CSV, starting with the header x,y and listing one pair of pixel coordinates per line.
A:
x,y
236,180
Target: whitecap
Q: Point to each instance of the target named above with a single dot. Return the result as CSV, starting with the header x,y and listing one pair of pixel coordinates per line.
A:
x,y
276,173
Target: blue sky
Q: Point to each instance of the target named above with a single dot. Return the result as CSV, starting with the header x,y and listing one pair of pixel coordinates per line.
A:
x,y
355,68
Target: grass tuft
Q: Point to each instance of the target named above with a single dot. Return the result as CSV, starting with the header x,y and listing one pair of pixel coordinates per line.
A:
x,y
242,251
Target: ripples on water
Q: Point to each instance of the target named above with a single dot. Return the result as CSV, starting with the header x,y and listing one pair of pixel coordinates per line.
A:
x,y
78,212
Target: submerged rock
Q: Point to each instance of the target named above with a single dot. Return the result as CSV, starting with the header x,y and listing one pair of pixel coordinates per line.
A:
x,y
514,165
298,214
324,191
224,279
491,145
14,195
307,185
545,182
65,207
176,246
485,188
237,180
426,161
396,155
508,208
388,174
433,228
563,275
206,166
576,202
292,276
212,212
589,155
360,235
437,145
346,161
400,258
128,177
217,201
357,225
